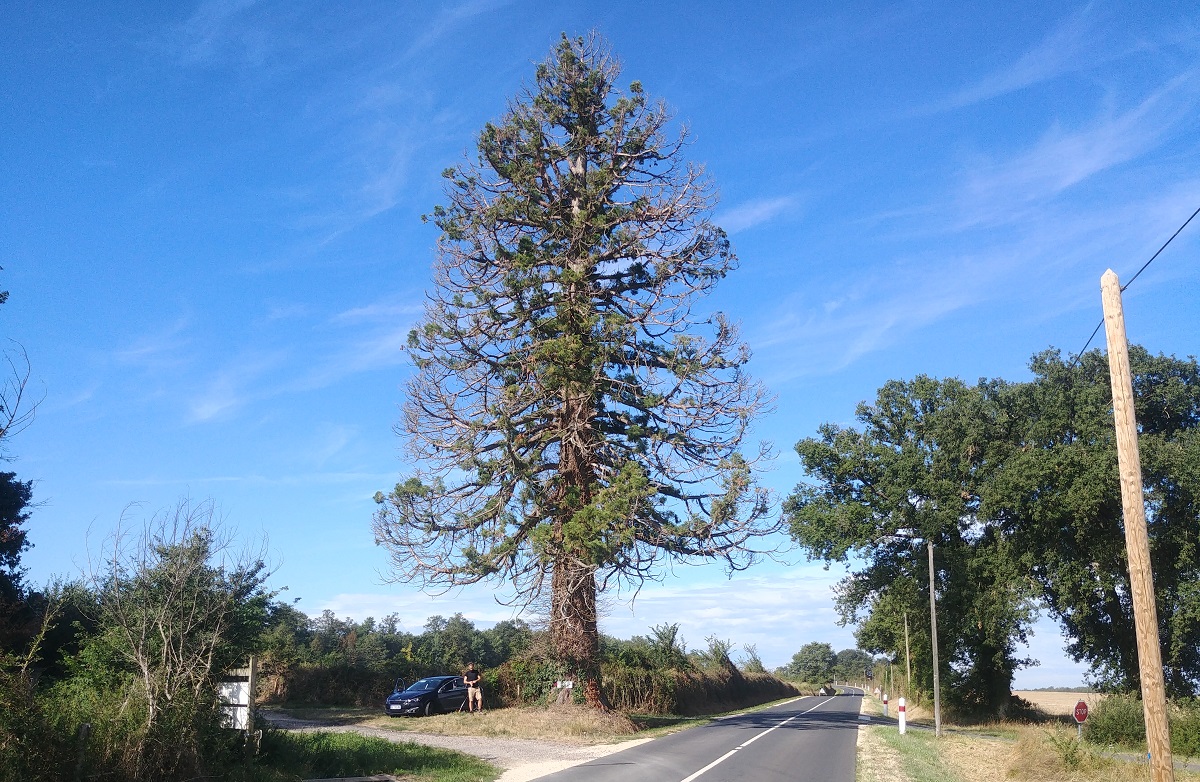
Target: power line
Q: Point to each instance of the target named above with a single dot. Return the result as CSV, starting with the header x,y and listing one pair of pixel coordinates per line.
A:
x,y
1160,249
1096,330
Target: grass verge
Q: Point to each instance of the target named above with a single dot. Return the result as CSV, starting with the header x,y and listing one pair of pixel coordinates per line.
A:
x,y
1038,753
568,724
293,756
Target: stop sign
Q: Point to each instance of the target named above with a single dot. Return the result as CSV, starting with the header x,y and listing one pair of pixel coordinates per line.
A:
x,y
1081,711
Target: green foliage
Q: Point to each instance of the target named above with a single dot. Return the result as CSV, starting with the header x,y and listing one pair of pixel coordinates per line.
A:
x,y
29,748
1016,485
849,664
916,472
752,663
574,425
1185,728
1071,753
172,614
716,656
16,617
815,663
327,755
1120,720
1117,720
1058,499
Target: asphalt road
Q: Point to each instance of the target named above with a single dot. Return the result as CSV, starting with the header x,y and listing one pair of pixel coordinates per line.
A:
x,y
810,739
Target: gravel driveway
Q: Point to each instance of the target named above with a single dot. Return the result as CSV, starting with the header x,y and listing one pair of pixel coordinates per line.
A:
x,y
521,759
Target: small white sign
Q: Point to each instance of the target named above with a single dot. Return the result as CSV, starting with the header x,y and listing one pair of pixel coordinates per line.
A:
x,y
235,702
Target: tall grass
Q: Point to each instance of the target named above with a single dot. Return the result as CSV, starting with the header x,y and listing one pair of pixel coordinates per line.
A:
x,y
290,756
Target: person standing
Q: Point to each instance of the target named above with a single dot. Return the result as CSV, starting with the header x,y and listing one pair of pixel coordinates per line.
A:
x,y
474,688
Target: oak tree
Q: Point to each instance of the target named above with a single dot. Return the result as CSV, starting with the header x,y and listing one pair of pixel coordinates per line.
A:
x,y
574,422
1059,500
916,471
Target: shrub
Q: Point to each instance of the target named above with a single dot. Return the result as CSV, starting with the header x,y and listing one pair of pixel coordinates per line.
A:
x,y
1185,728
1118,720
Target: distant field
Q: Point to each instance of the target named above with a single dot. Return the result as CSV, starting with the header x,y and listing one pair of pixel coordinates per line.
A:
x,y
1058,702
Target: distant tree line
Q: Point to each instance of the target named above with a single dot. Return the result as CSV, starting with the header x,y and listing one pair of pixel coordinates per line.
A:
x,y
817,663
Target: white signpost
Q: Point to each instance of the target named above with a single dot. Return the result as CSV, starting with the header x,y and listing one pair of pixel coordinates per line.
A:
x,y
236,691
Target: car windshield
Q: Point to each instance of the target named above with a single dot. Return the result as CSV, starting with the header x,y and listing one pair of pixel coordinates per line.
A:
x,y
424,684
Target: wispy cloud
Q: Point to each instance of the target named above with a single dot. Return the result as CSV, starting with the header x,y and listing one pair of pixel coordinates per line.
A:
x,y
753,213
998,190
368,338
377,312
860,315
1059,53
217,30
277,311
1039,223
159,350
234,385
450,18
299,479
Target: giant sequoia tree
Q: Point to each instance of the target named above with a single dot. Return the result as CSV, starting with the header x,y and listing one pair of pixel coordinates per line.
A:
x,y
575,424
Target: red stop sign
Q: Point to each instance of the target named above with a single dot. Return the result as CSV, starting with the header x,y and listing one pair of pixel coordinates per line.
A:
x,y
1081,711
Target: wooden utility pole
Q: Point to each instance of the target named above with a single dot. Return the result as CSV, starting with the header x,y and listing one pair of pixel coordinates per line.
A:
x,y
937,695
1137,542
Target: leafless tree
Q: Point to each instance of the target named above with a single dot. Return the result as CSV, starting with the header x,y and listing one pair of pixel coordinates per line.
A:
x,y
177,606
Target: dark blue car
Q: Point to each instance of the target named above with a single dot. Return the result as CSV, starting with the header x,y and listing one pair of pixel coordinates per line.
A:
x,y
431,695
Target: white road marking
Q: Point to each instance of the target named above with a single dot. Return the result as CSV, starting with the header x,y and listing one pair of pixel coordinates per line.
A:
x,y
750,741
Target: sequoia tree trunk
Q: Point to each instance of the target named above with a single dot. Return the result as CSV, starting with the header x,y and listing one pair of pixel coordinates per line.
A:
x,y
574,631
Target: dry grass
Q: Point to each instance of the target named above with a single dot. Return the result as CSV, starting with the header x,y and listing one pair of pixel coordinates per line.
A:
x,y
1058,703
1041,754
1002,752
571,724
976,759
877,761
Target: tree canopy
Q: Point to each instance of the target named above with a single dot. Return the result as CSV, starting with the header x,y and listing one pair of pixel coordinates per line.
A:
x,y
1016,484
916,473
1059,499
574,423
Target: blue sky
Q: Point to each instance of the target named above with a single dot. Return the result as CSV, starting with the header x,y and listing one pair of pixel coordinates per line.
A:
x,y
212,240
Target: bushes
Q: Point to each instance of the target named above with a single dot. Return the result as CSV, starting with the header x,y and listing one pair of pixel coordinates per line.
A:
x,y
1185,728
1120,720
334,685
28,749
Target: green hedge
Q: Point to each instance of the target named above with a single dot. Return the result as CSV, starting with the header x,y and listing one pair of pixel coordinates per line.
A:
x,y
1119,720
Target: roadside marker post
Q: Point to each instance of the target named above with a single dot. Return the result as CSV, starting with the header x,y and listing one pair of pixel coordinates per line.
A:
x,y
885,704
901,715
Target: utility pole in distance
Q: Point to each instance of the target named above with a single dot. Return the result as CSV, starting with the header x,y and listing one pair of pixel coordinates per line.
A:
x,y
937,695
1137,542
907,659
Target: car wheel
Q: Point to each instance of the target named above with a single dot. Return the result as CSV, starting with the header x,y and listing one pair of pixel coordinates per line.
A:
x,y
430,709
